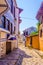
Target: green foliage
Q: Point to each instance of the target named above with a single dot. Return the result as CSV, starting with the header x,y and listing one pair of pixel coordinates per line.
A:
x,y
38,24
37,31
34,33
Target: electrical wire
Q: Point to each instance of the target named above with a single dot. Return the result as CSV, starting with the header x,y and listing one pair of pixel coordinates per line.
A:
x,y
27,18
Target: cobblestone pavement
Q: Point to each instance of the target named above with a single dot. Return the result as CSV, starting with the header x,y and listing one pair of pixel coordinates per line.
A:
x,y
30,57
12,58
22,56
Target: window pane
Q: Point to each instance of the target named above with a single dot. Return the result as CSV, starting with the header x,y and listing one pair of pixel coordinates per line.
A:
x,y
11,6
14,11
8,25
14,30
11,28
4,21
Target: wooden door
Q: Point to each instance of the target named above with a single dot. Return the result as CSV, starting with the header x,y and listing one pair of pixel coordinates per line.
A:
x,y
8,47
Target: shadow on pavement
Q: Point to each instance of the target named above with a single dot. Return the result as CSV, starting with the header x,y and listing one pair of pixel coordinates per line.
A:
x,y
22,55
14,58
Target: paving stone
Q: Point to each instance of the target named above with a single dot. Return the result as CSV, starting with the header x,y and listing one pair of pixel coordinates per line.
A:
x,y
22,56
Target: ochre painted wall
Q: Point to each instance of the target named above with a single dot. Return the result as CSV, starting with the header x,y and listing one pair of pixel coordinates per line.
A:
x,y
35,42
27,41
41,38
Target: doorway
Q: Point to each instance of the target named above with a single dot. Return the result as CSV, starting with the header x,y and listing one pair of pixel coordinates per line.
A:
x,y
30,41
8,47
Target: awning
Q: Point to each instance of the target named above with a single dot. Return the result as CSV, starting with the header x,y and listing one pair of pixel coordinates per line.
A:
x,y
12,37
3,6
9,16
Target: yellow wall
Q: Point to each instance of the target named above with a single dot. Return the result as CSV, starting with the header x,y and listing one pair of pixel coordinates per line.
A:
x,y
27,41
35,42
41,38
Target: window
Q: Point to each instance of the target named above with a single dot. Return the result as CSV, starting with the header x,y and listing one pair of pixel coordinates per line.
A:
x,y
24,33
4,21
11,6
41,33
8,25
11,28
42,17
14,11
27,33
14,30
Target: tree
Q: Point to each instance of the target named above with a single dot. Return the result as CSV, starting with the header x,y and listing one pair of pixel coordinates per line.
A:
x,y
38,24
37,31
34,33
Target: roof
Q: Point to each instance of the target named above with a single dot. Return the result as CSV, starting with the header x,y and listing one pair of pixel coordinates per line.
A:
x,y
33,35
20,10
29,28
40,12
12,37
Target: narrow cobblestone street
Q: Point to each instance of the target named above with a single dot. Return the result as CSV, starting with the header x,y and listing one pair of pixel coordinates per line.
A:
x,y
30,57
22,56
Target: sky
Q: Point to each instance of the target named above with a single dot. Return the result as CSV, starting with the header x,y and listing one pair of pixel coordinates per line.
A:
x,y
28,16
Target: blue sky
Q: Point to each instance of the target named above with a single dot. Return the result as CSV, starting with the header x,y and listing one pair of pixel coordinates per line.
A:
x,y
30,8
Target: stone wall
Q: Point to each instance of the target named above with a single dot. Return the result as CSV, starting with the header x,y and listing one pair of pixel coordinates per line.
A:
x,y
2,44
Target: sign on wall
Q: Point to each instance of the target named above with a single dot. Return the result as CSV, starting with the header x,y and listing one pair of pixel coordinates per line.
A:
x,y
3,6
